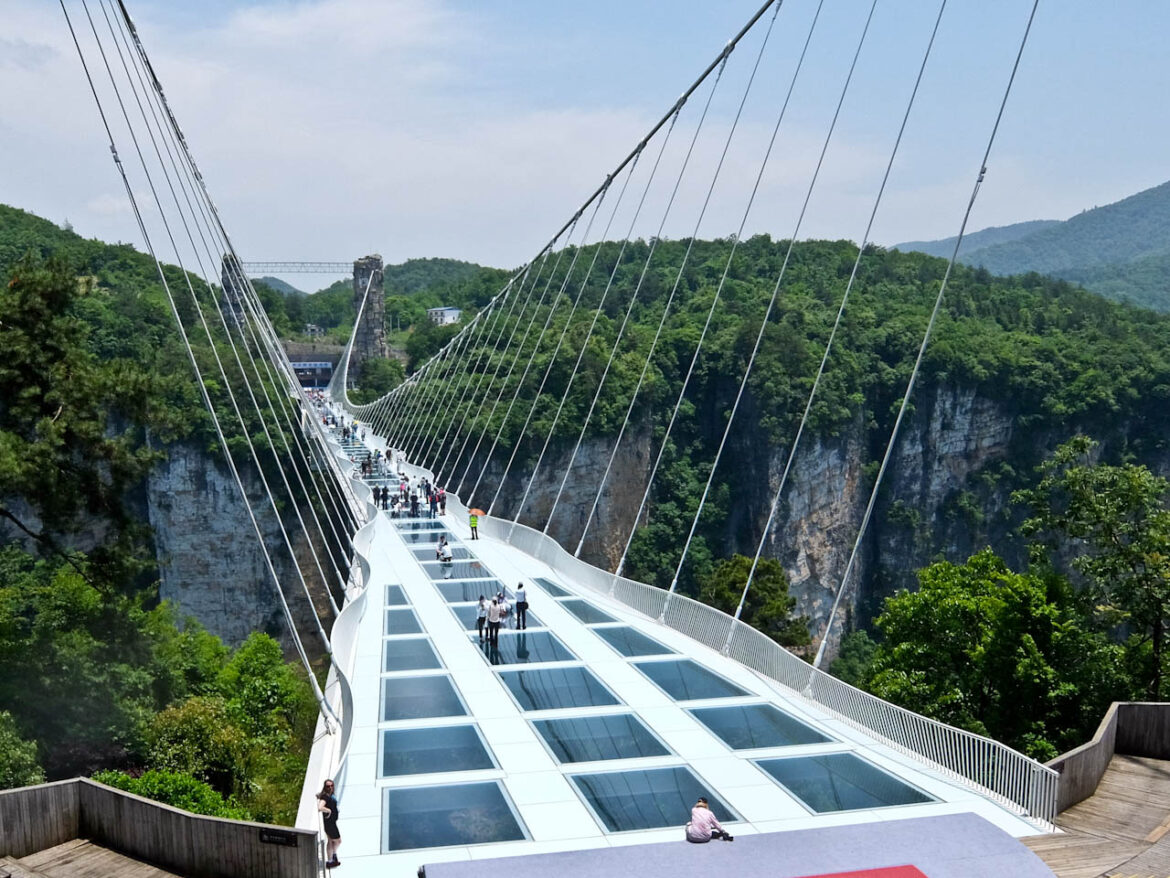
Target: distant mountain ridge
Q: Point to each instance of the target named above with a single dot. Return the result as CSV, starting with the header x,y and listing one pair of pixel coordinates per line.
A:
x,y
1121,250
978,240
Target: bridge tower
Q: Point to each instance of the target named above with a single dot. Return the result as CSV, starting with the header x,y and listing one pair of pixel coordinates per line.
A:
x,y
369,340
233,283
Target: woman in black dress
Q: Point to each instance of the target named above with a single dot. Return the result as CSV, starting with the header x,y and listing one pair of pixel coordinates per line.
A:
x,y
327,805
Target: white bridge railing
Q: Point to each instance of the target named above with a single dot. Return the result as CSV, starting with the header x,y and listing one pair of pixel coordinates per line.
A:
x,y
1014,780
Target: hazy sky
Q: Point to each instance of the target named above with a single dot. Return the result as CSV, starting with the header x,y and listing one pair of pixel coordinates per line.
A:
x,y
328,129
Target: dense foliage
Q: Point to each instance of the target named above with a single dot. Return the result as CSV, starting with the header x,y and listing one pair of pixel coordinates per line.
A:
x,y
1034,658
95,673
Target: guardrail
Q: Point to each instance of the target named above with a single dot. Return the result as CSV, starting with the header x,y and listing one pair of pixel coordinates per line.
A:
x,y
331,761
37,818
1131,728
1014,780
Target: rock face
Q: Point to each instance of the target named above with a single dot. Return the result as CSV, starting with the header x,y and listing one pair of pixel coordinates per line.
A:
x,y
945,494
210,562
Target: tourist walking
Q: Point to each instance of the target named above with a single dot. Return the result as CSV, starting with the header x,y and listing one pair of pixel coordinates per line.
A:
x,y
521,607
493,618
327,805
481,616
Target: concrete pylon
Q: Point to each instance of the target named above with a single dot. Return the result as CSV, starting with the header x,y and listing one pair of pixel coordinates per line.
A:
x,y
233,283
369,339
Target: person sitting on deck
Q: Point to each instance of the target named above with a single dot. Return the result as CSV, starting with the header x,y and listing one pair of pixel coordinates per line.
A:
x,y
703,826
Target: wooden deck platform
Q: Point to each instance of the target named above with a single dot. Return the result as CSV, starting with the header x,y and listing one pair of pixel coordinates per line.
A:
x,y
79,859
1122,831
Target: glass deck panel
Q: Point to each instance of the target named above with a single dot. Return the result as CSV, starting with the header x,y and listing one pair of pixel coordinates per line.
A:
x,y
461,591
649,799
409,654
427,553
420,697
595,738
686,680
433,750
450,814
402,621
586,612
552,588
631,642
523,647
395,596
550,688
469,569
405,524
466,614
748,726
424,537
840,782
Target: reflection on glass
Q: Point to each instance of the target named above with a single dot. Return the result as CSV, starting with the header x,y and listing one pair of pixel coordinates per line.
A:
x,y
423,537
686,680
469,569
631,642
519,647
409,654
426,751
402,622
586,612
419,697
469,589
427,553
840,782
395,596
549,688
409,524
451,814
593,738
551,587
748,726
649,799
466,614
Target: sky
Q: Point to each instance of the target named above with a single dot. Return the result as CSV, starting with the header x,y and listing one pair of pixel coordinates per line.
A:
x,y
329,129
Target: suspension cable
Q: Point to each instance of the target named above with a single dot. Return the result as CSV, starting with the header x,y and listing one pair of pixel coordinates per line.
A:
x,y
925,340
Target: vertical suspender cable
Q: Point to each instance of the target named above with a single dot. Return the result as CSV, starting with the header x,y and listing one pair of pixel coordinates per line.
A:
x,y
925,341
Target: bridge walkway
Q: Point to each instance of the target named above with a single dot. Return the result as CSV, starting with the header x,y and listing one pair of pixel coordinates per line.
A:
x,y
1122,830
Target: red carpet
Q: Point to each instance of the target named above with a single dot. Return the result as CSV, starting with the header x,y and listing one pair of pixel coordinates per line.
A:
x,y
887,872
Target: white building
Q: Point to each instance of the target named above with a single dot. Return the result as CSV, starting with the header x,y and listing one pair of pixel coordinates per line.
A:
x,y
444,316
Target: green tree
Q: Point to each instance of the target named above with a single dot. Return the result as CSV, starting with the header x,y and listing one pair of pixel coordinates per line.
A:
x,y
768,607
1116,521
198,737
1000,653
178,790
378,377
854,661
18,758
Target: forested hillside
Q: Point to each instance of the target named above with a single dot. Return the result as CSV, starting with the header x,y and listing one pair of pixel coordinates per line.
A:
x,y
95,672
1121,250
1042,358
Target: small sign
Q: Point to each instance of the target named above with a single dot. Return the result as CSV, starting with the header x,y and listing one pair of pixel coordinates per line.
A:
x,y
279,836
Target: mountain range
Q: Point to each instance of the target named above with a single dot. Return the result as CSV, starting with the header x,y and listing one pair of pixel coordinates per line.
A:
x,y
1121,250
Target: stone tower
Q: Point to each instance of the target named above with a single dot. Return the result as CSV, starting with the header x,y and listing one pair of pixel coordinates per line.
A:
x,y
233,284
369,339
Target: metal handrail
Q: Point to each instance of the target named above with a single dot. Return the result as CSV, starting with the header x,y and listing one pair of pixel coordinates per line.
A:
x,y
1006,776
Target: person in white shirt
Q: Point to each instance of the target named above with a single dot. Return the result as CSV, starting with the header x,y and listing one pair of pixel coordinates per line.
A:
x,y
493,618
521,607
481,613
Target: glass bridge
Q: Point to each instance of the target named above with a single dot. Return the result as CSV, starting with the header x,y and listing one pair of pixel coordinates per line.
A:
x,y
594,727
